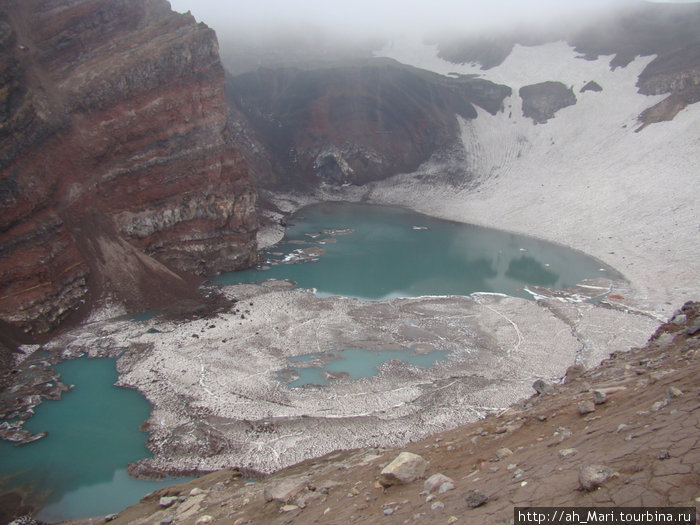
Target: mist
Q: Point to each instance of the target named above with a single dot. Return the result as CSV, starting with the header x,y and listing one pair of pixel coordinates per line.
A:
x,y
318,33
363,19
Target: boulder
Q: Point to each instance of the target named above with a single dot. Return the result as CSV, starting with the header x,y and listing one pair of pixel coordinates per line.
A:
x,y
285,490
541,386
446,487
585,407
476,499
663,454
680,319
435,481
167,501
694,327
573,372
503,453
406,468
673,392
599,397
591,476
567,453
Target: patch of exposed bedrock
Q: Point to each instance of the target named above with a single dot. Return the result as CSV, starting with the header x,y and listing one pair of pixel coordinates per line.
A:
x,y
217,400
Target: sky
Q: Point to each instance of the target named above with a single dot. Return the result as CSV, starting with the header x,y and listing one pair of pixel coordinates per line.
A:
x,y
383,17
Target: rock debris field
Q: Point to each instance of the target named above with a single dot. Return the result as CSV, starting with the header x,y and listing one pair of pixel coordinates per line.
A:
x,y
218,401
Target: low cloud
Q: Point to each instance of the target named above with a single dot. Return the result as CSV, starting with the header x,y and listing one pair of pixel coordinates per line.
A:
x,y
385,18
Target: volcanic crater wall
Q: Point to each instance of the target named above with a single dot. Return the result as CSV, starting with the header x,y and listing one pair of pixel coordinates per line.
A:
x,y
352,124
115,158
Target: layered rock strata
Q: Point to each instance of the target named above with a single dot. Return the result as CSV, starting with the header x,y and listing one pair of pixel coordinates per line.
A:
x,y
117,167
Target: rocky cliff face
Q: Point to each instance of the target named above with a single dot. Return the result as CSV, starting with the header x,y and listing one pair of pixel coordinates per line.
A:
x,y
117,168
354,123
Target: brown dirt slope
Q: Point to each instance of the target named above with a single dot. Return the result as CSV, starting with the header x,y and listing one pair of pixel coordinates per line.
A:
x,y
646,431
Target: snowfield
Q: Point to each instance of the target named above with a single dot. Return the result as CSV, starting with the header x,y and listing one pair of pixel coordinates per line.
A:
x,y
586,178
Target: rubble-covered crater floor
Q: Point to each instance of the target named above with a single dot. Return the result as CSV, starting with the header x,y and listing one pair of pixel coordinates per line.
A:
x,y
218,401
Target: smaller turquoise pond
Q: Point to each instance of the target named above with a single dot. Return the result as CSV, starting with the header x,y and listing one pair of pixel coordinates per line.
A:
x,y
79,469
353,363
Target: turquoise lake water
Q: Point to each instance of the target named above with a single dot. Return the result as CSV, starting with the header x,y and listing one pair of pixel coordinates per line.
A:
x,y
383,252
79,469
309,369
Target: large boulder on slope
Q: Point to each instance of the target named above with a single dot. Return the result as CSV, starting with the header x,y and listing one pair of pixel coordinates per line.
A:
x,y
406,468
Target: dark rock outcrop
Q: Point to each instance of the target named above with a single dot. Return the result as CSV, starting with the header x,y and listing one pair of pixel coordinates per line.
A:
x,y
116,163
669,107
592,86
352,124
541,101
643,29
673,72
676,73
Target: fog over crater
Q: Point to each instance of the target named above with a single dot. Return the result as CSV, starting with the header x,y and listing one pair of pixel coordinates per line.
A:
x,y
389,18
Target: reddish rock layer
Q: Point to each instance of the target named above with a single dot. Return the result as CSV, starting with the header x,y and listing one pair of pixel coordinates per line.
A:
x,y
115,158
